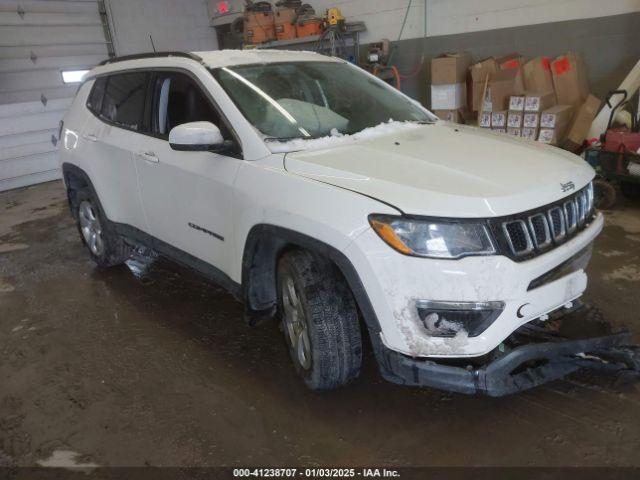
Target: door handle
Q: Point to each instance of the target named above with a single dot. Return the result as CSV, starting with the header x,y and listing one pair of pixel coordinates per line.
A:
x,y
90,136
149,157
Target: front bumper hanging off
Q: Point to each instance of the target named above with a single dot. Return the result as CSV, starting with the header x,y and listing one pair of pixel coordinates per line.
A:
x,y
544,357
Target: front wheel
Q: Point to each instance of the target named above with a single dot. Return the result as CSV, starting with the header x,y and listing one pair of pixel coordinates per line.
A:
x,y
319,319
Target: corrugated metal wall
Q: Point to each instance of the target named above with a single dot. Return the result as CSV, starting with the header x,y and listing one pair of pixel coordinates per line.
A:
x,y
39,39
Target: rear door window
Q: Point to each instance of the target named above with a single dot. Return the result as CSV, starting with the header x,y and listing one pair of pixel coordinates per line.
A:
x,y
124,99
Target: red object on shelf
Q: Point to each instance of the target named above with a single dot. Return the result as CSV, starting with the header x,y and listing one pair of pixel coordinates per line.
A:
x,y
223,7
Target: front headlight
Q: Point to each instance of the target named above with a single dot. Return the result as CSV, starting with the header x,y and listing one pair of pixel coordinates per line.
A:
x,y
433,238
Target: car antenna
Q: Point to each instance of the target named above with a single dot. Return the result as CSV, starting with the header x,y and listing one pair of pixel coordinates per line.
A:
x,y
152,44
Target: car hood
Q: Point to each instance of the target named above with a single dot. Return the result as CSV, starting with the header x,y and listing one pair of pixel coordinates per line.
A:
x,y
448,170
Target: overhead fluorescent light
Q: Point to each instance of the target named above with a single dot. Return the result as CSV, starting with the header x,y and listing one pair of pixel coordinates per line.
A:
x,y
73,76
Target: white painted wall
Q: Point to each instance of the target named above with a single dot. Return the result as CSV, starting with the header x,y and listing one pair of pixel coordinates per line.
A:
x,y
174,24
384,17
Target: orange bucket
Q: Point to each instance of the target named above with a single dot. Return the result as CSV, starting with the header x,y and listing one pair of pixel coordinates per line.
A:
x,y
285,23
259,27
309,26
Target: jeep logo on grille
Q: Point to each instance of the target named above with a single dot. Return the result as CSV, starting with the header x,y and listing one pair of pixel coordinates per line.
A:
x,y
567,186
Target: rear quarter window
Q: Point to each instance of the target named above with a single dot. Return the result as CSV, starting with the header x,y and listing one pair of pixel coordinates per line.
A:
x,y
94,102
124,99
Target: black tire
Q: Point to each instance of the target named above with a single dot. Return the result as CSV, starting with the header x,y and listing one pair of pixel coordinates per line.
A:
x,y
330,317
114,251
630,190
605,194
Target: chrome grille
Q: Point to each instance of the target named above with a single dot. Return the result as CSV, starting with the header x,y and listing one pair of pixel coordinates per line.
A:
x,y
537,231
570,216
581,204
556,223
518,237
540,230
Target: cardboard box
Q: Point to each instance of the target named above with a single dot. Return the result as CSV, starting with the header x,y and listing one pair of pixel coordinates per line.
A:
x,y
537,102
570,79
560,114
448,97
582,122
499,119
548,136
468,117
450,68
480,70
537,75
530,133
487,105
554,136
531,120
455,116
512,61
514,119
504,84
515,132
484,120
480,73
516,103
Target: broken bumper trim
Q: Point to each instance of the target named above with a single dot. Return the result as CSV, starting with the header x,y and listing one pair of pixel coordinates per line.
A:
x,y
510,373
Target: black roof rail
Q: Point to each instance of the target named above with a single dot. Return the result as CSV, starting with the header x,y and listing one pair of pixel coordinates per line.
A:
x,y
139,56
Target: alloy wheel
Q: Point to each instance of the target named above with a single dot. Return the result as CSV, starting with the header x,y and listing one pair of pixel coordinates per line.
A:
x,y
295,323
90,228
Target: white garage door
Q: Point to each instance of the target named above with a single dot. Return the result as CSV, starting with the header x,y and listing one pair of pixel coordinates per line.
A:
x,y
39,39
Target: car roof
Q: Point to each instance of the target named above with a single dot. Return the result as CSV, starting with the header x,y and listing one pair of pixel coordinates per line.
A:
x,y
211,59
227,58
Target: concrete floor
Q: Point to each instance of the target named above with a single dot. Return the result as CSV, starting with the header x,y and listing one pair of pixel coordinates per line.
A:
x,y
161,370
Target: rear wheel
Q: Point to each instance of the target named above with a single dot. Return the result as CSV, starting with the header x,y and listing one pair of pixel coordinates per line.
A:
x,y
105,246
320,320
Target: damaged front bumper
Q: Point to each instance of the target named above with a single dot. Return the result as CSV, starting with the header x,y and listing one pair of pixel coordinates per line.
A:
x,y
533,355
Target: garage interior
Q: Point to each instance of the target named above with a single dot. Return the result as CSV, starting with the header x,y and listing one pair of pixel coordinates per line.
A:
x,y
152,365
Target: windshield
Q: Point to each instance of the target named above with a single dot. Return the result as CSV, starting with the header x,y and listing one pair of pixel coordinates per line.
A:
x,y
313,99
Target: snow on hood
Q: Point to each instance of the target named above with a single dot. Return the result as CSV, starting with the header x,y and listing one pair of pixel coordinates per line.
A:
x,y
337,139
444,169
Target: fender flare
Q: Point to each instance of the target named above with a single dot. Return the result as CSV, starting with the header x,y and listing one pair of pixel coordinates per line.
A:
x,y
265,244
71,172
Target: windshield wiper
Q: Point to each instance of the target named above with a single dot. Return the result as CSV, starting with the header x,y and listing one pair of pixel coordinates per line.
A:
x,y
286,139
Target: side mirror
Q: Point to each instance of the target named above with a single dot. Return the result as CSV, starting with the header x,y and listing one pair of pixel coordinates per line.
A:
x,y
196,137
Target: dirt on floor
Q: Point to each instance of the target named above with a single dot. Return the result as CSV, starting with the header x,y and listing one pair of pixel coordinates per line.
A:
x,y
132,367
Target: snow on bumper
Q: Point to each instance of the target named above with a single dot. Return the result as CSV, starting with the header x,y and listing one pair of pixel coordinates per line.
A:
x,y
395,282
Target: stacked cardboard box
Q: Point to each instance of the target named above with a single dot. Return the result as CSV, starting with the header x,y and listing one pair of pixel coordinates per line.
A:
x,y
537,75
524,113
456,116
515,117
499,121
530,125
484,120
510,94
449,84
554,123
582,122
481,73
570,79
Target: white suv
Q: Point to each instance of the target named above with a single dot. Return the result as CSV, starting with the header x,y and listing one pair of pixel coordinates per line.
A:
x,y
318,194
